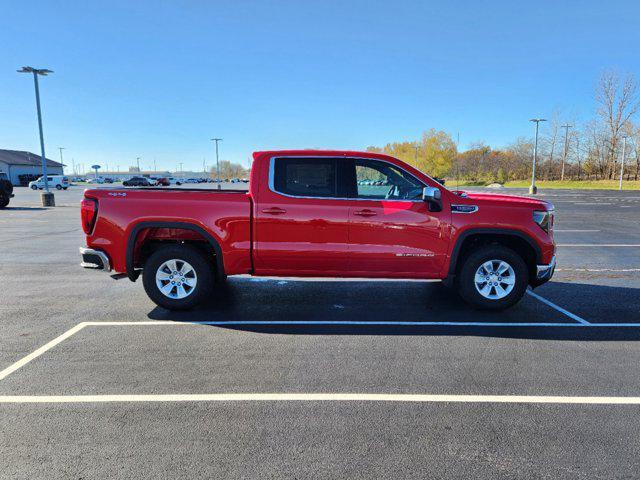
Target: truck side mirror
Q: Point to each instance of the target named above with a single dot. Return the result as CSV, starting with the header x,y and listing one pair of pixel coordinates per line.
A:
x,y
432,196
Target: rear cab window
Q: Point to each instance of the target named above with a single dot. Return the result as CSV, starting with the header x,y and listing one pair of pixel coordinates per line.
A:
x,y
305,177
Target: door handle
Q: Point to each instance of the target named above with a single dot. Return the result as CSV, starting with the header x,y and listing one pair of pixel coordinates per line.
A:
x,y
274,211
365,213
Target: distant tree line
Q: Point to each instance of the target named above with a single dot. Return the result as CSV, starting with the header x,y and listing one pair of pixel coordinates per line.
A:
x,y
566,149
229,170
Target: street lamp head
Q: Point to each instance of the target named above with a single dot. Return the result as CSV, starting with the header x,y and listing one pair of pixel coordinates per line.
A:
x,y
38,71
538,120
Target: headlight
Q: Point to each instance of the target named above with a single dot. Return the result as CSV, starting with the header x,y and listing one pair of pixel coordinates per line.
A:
x,y
544,218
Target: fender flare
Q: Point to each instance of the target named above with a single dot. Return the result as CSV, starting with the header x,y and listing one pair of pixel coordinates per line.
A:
x,y
133,274
487,231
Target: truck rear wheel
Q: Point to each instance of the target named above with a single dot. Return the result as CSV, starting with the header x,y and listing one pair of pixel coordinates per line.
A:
x,y
177,277
493,278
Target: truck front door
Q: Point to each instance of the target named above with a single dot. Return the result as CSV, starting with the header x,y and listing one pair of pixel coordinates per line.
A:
x,y
392,231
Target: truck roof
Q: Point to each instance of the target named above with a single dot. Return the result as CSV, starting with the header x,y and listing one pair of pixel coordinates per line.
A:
x,y
320,153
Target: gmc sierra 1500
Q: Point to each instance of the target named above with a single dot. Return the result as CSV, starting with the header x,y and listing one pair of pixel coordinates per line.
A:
x,y
322,214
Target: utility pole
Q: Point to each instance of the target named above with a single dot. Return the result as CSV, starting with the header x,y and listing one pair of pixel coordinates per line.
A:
x,y
180,167
566,147
533,189
46,197
155,169
138,162
217,161
624,148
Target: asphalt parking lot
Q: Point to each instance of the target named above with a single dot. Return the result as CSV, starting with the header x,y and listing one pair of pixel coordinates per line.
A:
x,y
282,378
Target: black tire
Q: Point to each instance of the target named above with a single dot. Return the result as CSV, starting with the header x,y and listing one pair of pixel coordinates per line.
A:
x,y
64,188
465,281
58,187
4,200
34,187
181,252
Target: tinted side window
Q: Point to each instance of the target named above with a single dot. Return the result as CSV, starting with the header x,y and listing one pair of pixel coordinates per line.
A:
x,y
305,177
380,180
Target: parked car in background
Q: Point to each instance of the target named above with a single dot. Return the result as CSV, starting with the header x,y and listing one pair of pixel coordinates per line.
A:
x,y
162,182
6,190
191,180
99,180
59,182
108,180
137,182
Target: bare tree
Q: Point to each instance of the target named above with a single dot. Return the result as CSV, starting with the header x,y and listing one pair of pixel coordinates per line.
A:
x,y
617,103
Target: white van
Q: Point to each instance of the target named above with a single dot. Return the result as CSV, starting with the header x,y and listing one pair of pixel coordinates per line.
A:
x,y
60,182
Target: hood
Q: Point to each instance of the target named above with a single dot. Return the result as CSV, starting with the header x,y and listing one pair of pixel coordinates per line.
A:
x,y
507,200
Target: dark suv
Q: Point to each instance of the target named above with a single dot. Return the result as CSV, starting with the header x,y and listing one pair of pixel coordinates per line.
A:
x,y
6,190
137,182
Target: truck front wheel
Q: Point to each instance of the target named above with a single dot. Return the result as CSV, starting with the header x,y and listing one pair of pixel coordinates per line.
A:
x,y
493,278
177,277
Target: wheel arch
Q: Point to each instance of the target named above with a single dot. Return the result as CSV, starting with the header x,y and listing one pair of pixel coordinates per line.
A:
x,y
518,241
133,274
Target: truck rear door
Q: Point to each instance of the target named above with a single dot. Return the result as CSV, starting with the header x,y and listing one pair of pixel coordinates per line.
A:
x,y
300,219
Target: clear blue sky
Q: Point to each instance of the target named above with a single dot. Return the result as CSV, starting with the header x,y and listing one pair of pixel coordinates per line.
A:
x,y
159,79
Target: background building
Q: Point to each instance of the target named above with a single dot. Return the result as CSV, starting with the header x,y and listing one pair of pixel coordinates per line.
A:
x,y
22,167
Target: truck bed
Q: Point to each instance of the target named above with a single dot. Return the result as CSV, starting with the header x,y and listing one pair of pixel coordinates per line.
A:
x,y
126,215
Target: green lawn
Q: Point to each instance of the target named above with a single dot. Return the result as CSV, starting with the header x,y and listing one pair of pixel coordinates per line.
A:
x,y
541,184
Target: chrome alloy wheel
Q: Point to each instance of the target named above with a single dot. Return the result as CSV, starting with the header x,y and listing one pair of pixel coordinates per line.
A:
x,y
176,279
495,279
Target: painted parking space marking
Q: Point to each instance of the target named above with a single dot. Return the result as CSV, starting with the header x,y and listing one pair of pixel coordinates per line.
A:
x,y
580,322
23,361
598,245
558,308
323,397
574,231
597,269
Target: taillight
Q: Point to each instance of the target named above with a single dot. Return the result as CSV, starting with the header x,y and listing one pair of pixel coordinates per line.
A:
x,y
88,213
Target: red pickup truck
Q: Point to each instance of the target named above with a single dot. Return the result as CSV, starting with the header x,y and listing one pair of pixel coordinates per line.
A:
x,y
321,214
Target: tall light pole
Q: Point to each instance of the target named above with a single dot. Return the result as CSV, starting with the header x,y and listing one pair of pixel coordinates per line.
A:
x,y
138,162
61,159
624,148
566,147
46,197
217,161
533,189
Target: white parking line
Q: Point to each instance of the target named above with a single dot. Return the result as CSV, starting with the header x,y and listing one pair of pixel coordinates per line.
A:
x,y
558,308
597,269
23,361
555,230
598,245
323,397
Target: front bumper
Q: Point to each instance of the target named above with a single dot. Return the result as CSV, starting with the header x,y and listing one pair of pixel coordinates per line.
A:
x,y
545,272
95,259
